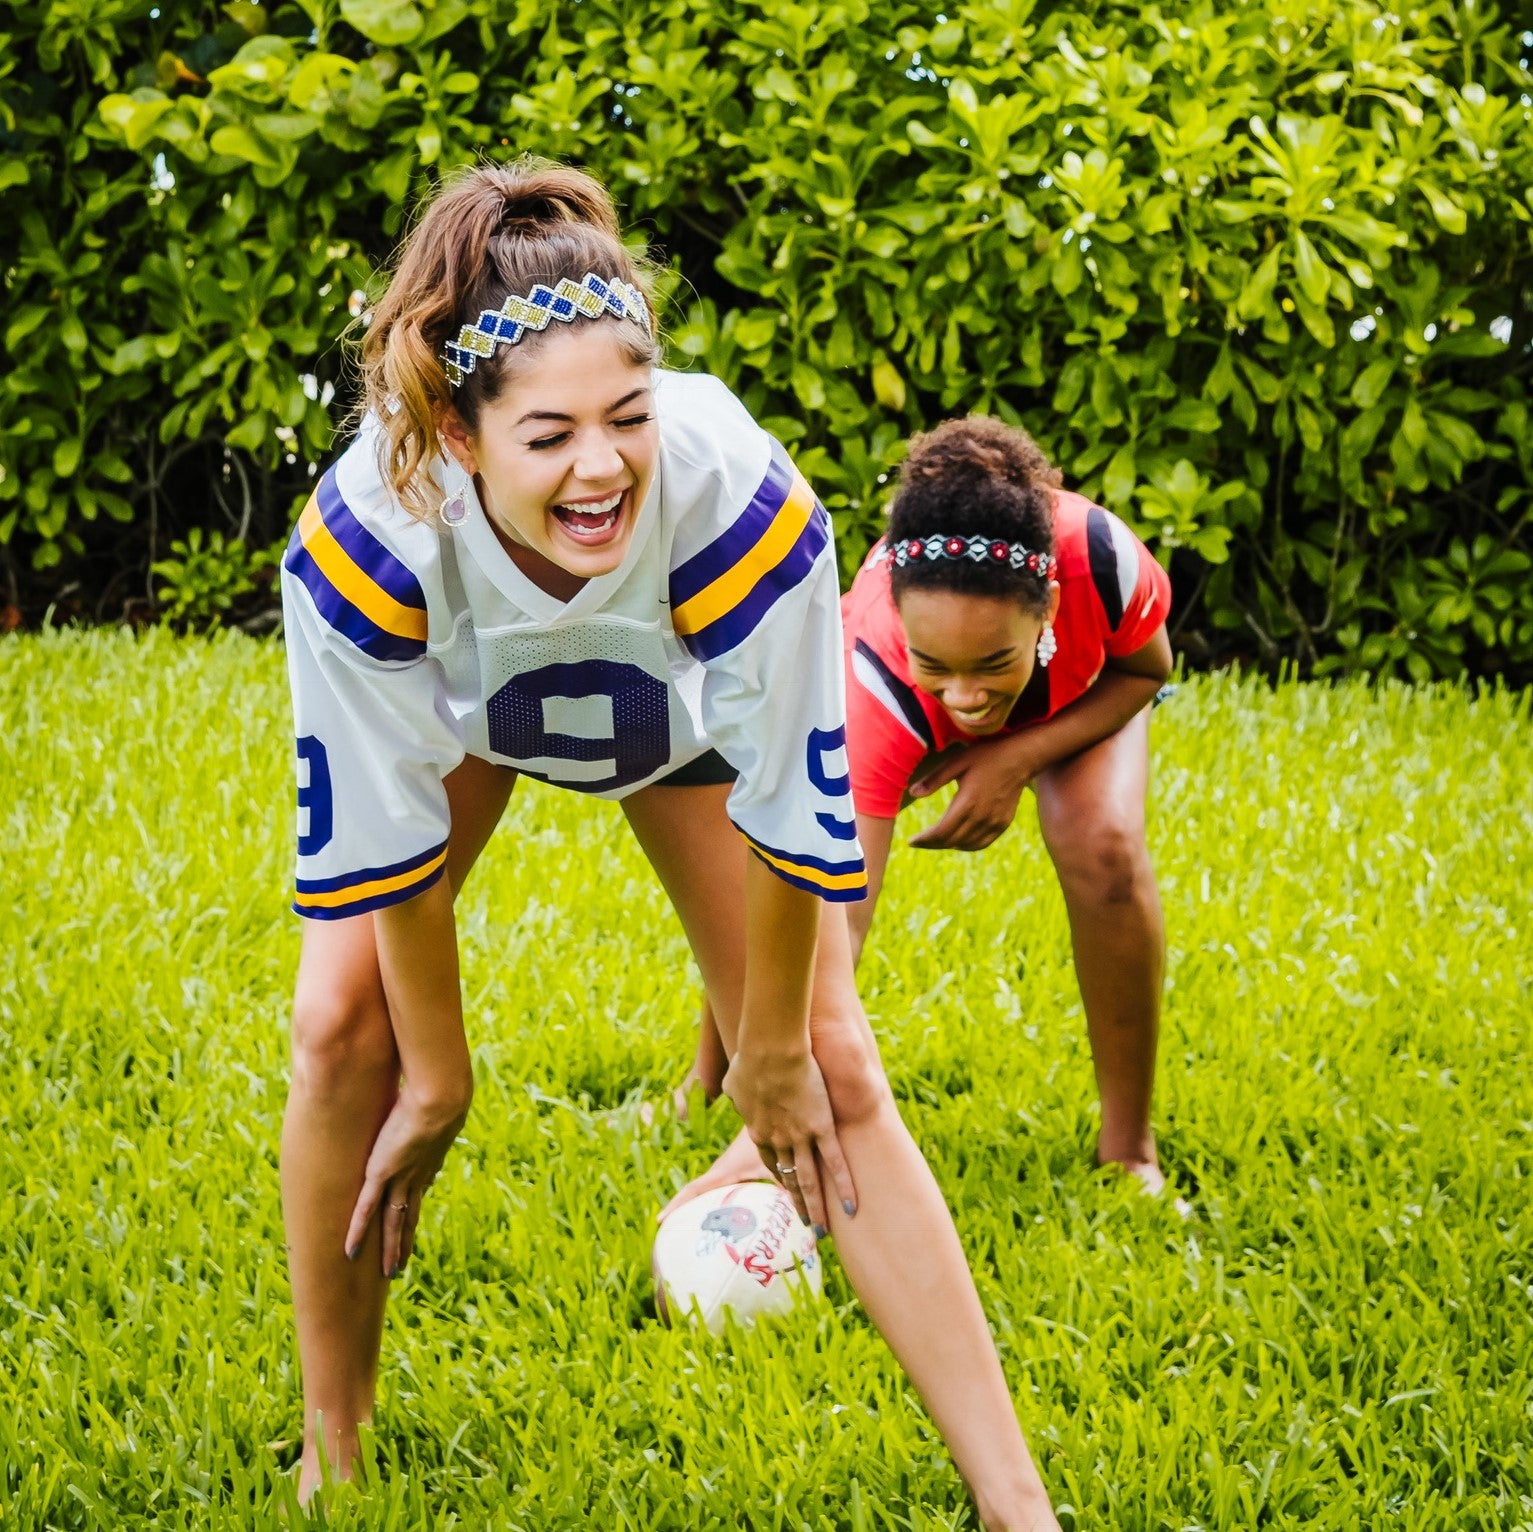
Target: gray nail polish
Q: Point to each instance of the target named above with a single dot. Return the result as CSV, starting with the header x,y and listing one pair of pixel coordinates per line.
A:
x,y
820,1231
849,1208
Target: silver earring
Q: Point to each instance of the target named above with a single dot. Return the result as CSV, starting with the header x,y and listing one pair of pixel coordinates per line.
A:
x,y
454,511
1048,645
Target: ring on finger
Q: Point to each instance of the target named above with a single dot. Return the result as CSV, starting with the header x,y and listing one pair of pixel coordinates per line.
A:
x,y
399,1207
786,1170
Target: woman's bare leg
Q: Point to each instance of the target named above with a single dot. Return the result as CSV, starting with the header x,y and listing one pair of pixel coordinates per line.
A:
x,y
925,1306
345,1076
1091,809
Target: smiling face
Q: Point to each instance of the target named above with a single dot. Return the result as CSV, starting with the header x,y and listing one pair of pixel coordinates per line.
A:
x,y
565,455
974,654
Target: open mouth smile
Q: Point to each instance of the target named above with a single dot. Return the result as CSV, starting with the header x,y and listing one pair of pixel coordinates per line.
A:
x,y
592,523
976,718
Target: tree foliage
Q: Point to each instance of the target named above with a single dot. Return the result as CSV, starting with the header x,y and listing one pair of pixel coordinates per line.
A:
x,y
1256,276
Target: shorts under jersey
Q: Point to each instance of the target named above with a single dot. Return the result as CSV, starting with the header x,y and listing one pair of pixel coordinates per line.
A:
x,y
412,645
1112,598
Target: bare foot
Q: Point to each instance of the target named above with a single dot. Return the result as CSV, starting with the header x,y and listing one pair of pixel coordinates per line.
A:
x,y
679,1103
1145,1169
739,1162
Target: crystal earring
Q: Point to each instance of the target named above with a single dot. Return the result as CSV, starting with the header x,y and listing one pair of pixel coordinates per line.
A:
x,y
454,511
1048,645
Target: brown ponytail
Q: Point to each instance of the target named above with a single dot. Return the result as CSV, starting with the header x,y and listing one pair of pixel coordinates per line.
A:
x,y
490,232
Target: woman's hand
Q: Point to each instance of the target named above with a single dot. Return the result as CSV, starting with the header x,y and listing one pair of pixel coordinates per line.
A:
x,y
992,776
405,1159
787,1113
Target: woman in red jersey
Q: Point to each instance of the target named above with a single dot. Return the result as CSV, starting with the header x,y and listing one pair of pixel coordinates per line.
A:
x,y
1007,634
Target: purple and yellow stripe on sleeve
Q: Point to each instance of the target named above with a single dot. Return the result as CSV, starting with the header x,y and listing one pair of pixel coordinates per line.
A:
x,y
719,596
362,590
355,893
839,882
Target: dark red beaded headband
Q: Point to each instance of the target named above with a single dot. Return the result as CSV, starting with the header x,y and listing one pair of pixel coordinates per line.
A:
x,y
983,550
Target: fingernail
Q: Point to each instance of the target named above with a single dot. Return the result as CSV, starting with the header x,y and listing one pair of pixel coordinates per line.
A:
x,y
391,1273
849,1208
351,1254
820,1231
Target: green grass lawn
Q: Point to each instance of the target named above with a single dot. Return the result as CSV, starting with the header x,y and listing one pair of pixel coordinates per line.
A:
x,y
1341,1337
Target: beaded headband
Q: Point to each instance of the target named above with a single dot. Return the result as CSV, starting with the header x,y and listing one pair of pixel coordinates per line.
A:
x,y
591,297
983,550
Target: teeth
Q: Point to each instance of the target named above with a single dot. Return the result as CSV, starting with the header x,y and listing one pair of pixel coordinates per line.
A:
x,y
595,507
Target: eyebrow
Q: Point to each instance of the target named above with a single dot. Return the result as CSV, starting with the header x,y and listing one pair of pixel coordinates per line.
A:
x,y
989,659
611,409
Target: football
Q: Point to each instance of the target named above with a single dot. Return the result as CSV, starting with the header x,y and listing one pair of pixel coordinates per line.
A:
x,y
736,1249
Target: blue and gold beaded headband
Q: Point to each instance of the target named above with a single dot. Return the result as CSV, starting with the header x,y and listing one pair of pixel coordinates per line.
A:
x,y
589,298
982,550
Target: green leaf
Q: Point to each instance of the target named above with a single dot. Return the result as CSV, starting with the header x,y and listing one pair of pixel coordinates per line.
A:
x,y
1190,414
753,331
1314,279
1446,211
32,317
946,39
389,23
239,142
133,118
1256,294
1371,383
962,99
1118,477
441,17
888,385
1068,269
251,434
255,19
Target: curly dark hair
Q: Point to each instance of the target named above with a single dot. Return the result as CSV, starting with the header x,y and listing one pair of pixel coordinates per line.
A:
x,y
975,478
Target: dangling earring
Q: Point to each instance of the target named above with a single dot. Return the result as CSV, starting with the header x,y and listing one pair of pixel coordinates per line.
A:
x,y
1048,645
454,510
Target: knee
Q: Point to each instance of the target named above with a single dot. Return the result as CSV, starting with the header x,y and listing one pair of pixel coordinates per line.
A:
x,y
1106,862
853,1074
342,1042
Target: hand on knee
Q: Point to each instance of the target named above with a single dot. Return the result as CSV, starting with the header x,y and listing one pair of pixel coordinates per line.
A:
x,y
854,1076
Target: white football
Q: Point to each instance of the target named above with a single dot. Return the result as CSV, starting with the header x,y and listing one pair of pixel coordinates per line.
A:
x,y
737,1248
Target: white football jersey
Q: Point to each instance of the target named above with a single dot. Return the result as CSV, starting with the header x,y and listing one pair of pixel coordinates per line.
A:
x,y
411,645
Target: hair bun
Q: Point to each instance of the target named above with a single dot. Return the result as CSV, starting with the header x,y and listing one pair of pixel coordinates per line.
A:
x,y
536,196
975,450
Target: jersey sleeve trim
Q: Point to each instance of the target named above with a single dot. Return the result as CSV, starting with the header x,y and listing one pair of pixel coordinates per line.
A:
x,y
719,596
372,888
1114,563
838,882
892,694
359,587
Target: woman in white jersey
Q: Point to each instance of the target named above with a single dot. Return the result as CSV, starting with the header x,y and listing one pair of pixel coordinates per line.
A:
x,y
542,555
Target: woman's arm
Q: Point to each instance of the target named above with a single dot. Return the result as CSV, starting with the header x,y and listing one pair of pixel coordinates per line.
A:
x,y
773,1079
876,836
993,774
418,956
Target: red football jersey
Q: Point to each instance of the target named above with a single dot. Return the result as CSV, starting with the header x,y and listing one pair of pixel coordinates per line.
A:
x,y
1112,598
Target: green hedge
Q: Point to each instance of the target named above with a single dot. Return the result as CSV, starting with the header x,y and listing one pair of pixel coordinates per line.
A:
x,y
1257,276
